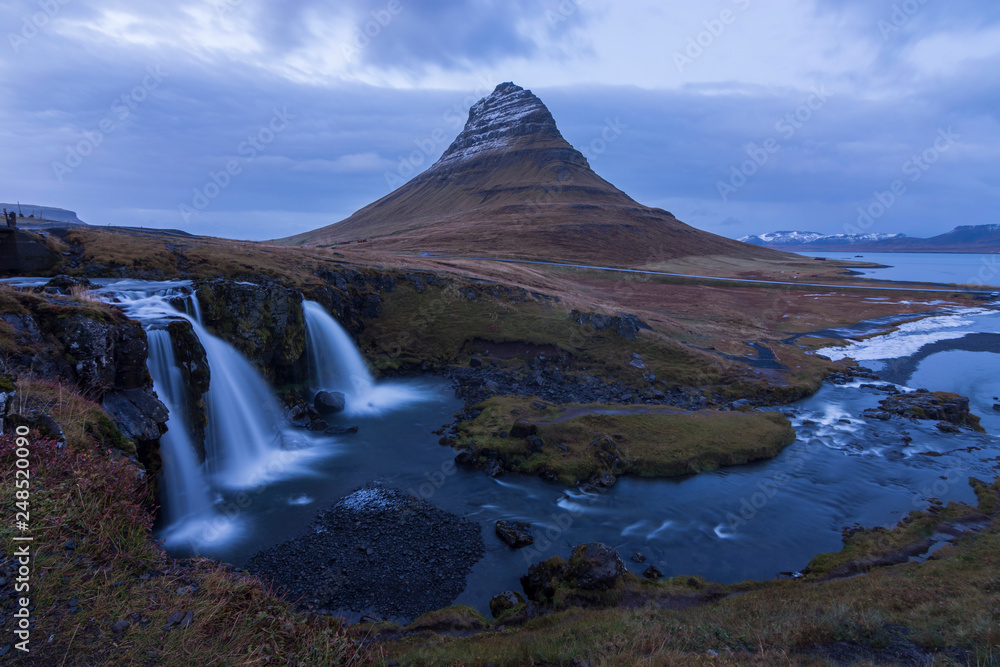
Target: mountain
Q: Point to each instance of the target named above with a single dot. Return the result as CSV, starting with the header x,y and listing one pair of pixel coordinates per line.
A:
x,y
511,185
44,213
965,238
787,239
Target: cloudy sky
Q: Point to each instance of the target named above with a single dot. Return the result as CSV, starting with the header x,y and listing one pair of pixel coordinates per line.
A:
x,y
263,118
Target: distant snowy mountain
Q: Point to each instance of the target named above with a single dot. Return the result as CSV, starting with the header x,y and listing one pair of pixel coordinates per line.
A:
x,y
964,238
779,239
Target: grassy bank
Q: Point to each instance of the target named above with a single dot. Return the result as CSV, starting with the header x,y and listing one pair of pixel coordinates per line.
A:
x,y
581,441
102,591
945,611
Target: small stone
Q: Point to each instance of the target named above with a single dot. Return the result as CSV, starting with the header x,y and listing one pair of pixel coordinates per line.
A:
x,y
119,627
652,572
522,429
638,557
371,617
475,362
515,534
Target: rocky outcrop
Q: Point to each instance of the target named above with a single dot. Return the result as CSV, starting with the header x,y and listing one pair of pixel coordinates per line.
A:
x,y
24,254
950,410
593,570
196,377
515,534
264,321
626,326
99,351
377,549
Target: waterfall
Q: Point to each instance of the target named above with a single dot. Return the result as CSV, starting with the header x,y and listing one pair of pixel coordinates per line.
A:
x,y
242,441
185,492
336,365
334,362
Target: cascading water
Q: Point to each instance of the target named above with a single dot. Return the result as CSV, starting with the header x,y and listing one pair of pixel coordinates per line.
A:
x,y
185,493
334,362
336,365
242,440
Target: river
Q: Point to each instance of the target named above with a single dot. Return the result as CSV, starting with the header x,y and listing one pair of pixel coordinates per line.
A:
x,y
747,522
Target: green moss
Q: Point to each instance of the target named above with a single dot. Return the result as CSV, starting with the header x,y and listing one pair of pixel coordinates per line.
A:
x,y
662,442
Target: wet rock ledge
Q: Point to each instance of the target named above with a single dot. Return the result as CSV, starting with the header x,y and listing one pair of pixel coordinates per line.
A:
x,y
379,551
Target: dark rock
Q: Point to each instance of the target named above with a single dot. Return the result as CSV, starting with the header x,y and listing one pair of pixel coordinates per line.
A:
x,y
542,579
937,406
652,572
138,413
947,427
505,602
595,566
638,558
420,556
119,627
63,283
475,362
264,320
329,402
603,480
515,534
493,469
535,444
522,429
627,328
465,458
371,618
996,406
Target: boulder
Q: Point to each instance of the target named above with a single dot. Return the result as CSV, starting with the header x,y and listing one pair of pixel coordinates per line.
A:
x,y
652,572
542,579
329,402
595,566
505,602
535,444
515,534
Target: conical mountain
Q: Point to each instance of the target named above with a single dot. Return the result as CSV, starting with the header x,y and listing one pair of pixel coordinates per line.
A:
x,y
510,185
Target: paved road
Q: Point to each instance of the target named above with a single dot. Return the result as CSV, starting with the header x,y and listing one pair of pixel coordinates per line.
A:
x,y
728,280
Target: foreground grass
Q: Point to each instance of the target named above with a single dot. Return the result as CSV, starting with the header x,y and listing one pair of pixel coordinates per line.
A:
x,y
945,611
581,441
96,564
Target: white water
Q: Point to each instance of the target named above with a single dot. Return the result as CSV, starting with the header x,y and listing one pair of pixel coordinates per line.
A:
x,y
185,491
336,365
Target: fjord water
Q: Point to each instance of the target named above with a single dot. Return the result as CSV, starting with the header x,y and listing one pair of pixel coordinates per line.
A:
x,y
936,267
732,524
